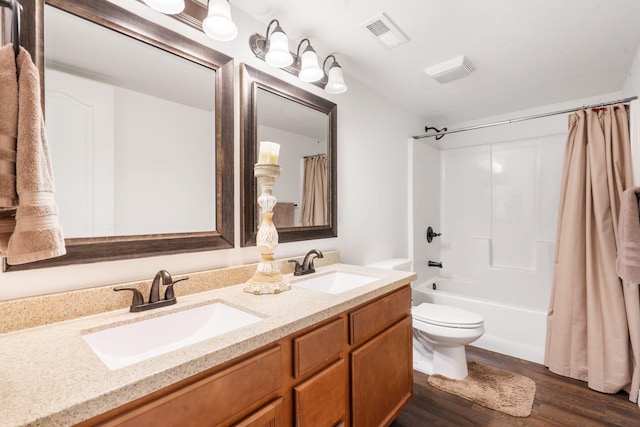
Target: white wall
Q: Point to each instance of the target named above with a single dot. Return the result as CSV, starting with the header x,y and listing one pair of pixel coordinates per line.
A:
x,y
631,85
162,169
372,183
424,179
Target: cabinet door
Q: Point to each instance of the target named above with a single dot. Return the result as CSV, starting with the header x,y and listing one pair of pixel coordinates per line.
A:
x,y
322,399
382,376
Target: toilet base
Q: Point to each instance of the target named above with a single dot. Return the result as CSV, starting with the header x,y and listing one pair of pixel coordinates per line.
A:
x,y
430,358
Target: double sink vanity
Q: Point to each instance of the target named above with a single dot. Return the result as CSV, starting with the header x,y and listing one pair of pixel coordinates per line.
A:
x,y
334,350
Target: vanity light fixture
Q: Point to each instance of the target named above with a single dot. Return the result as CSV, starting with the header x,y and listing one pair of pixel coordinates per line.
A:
x,y
169,7
335,84
218,24
274,49
310,71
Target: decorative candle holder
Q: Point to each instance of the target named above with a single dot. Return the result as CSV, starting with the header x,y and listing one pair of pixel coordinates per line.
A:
x,y
267,279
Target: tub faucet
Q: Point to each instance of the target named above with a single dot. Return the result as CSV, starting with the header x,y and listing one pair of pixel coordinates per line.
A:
x,y
435,264
307,264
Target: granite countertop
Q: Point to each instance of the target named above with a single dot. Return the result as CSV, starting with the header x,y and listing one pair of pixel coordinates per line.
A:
x,y
49,376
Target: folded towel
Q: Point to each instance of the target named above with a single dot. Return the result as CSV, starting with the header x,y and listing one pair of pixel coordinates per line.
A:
x,y
628,260
37,234
8,127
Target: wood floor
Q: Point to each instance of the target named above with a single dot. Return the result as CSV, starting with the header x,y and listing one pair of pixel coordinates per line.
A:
x,y
559,401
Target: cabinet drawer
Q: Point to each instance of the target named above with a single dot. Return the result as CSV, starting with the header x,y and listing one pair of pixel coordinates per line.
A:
x,y
373,318
269,415
322,399
317,348
214,399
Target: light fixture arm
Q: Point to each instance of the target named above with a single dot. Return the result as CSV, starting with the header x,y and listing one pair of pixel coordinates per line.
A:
x,y
324,63
266,40
300,45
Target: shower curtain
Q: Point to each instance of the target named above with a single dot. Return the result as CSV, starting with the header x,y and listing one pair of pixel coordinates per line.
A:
x,y
587,330
314,191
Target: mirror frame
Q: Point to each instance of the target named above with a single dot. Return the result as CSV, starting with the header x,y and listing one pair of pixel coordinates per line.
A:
x,y
109,15
251,80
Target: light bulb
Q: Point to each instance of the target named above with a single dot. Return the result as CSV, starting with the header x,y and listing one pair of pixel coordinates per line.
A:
x,y
310,71
279,55
336,82
218,24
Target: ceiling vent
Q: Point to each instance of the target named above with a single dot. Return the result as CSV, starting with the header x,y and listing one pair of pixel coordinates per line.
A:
x,y
383,29
450,70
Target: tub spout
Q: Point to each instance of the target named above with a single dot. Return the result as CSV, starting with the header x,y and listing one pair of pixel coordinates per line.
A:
x,y
435,264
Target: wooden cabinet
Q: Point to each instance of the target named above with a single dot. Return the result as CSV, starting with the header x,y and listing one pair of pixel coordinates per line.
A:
x,y
315,349
322,399
382,376
352,369
213,400
373,318
268,416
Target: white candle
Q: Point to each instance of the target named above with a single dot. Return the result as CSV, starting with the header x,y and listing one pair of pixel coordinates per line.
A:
x,y
269,153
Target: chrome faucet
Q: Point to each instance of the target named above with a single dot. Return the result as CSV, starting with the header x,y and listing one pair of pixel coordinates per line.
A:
x,y
162,277
307,266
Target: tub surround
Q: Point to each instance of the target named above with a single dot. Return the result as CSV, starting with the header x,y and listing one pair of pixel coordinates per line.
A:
x,y
52,377
45,309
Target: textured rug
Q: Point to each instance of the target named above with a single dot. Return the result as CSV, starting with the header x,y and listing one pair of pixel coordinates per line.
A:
x,y
493,388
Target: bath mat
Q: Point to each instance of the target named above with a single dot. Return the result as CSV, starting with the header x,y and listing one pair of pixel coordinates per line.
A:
x,y
492,388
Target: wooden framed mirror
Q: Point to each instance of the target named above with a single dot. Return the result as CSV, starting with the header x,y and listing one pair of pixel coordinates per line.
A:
x,y
306,127
137,241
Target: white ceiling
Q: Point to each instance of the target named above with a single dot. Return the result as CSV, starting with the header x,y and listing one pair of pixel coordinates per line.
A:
x,y
528,53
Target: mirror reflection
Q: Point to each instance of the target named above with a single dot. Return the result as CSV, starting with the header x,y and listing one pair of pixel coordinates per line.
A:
x,y
130,145
305,126
175,189
302,134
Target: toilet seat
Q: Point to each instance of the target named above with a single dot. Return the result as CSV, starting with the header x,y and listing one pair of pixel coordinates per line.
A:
x,y
446,316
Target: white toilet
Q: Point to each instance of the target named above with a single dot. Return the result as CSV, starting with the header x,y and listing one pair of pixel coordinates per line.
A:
x,y
440,333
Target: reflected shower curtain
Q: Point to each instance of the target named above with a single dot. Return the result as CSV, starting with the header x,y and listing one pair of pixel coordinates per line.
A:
x,y
587,330
314,191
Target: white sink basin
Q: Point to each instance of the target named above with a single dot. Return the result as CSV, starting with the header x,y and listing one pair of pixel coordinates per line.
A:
x,y
335,282
131,343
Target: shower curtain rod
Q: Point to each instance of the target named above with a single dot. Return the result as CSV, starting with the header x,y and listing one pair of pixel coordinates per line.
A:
x,y
440,133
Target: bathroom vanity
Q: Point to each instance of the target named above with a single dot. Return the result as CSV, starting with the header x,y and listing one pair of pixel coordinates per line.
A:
x,y
315,358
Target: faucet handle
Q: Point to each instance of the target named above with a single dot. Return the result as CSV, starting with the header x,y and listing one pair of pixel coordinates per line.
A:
x,y
137,300
297,268
169,294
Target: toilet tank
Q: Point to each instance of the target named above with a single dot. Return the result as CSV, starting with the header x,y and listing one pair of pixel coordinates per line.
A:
x,y
401,264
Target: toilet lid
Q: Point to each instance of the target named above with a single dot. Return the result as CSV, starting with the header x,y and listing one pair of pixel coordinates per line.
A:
x,y
445,315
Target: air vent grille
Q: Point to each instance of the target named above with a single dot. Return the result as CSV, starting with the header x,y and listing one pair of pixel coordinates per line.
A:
x,y
385,31
378,28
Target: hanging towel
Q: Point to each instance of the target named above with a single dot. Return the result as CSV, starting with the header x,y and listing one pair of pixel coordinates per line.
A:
x,y
37,234
283,214
628,265
8,128
8,134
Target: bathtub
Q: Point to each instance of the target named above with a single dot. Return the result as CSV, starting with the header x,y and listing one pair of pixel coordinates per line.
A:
x,y
509,329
